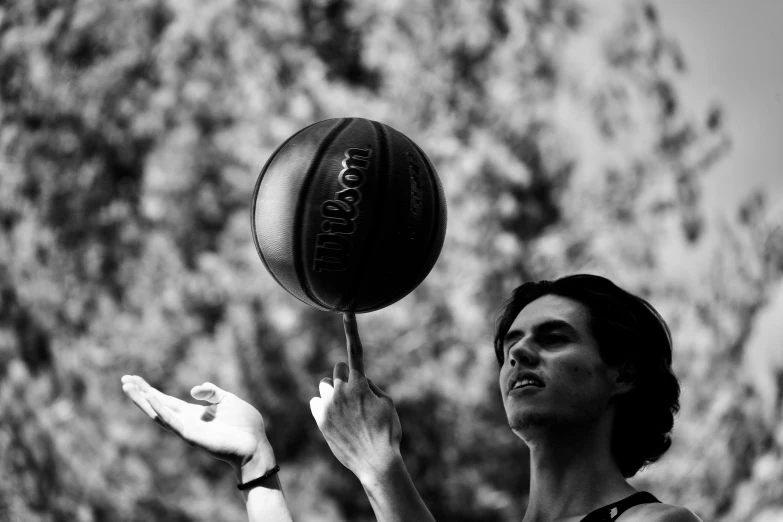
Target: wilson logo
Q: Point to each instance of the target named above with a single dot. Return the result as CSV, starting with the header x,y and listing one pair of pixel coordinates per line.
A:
x,y
333,246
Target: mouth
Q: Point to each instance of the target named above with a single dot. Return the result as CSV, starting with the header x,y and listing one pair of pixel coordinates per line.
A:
x,y
520,385
520,391
524,381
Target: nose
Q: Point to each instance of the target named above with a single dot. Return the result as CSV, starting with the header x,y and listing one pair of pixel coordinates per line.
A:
x,y
522,352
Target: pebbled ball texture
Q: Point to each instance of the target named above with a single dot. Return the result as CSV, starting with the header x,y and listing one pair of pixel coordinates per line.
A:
x,y
348,215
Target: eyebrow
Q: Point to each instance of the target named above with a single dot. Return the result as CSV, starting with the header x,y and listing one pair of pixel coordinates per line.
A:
x,y
539,329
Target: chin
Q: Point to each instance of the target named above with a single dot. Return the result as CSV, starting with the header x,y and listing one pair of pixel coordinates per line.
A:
x,y
522,421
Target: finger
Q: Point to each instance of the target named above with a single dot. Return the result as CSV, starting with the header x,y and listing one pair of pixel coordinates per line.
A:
x,y
171,402
355,352
167,416
341,374
141,402
377,391
138,399
208,392
317,408
141,383
326,389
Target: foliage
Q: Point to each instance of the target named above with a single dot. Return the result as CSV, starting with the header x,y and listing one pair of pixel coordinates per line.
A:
x,y
131,134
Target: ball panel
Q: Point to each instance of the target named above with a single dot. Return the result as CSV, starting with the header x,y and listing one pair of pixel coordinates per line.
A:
x,y
276,213
379,217
310,211
395,265
387,275
440,216
343,206
259,225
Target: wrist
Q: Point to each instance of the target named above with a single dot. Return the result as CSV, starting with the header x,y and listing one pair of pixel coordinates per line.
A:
x,y
393,494
389,469
255,466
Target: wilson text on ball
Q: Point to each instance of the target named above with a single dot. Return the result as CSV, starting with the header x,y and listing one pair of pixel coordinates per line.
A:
x,y
333,247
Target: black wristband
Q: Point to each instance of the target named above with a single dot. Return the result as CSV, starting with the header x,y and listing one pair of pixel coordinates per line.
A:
x,y
257,481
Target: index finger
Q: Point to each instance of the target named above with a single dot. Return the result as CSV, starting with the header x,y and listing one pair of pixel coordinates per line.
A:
x,y
355,351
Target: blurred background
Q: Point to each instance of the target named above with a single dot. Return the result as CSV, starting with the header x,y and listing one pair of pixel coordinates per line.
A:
x,y
640,141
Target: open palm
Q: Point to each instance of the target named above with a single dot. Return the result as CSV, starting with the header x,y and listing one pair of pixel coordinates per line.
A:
x,y
227,428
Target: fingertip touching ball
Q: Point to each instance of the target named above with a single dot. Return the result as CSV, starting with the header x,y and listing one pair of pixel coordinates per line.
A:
x,y
348,214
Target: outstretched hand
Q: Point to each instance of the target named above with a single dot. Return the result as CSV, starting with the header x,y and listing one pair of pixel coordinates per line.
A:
x,y
357,419
227,428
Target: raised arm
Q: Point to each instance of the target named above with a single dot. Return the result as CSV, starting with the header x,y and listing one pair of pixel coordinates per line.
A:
x,y
362,428
227,428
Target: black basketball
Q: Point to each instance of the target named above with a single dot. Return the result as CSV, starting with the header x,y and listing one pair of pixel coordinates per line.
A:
x,y
348,215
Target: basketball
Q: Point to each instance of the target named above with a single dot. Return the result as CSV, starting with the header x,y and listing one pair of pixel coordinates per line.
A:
x,y
348,214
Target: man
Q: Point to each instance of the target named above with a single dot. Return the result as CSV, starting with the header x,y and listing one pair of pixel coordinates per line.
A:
x,y
585,378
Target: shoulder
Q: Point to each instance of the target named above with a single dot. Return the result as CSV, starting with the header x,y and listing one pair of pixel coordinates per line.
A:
x,y
670,513
661,513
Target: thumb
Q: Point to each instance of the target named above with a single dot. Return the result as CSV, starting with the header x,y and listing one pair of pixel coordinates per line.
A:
x,y
208,392
318,410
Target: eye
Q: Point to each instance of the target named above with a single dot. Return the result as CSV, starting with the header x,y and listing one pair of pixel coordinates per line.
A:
x,y
510,341
553,338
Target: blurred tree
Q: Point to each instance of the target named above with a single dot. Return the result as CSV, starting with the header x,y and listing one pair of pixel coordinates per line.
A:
x,y
131,134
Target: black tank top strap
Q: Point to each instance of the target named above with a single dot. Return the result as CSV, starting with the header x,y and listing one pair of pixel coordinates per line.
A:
x,y
612,511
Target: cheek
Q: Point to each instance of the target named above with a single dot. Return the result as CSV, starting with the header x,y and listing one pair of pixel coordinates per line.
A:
x,y
578,371
502,378
580,377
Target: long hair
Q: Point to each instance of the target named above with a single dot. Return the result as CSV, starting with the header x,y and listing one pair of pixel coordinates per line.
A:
x,y
626,328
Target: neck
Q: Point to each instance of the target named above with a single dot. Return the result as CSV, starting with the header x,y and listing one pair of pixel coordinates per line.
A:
x,y
573,473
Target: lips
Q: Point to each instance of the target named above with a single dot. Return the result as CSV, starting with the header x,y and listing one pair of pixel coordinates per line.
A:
x,y
524,376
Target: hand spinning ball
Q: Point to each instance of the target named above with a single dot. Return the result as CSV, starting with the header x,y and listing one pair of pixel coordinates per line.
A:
x,y
348,214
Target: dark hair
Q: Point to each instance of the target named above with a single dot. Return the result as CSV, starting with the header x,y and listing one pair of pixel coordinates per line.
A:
x,y
626,328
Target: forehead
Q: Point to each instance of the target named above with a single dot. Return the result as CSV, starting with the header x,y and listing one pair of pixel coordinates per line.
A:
x,y
551,307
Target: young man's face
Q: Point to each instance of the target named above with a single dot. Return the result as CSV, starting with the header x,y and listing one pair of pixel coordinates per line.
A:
x,y
551,338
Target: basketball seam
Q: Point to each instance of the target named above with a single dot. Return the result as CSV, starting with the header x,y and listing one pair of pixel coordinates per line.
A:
x,y
382,174
255,195
299,262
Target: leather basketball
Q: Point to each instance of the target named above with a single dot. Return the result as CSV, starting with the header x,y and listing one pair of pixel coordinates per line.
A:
x,y
348,214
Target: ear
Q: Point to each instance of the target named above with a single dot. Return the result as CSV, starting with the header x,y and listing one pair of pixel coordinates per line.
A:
x,y
626,377
628,371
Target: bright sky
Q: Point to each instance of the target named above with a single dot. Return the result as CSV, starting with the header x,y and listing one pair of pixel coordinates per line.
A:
x,y
733,49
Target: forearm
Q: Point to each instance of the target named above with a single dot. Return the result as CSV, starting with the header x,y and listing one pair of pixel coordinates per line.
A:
x,y
265,502
393,496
